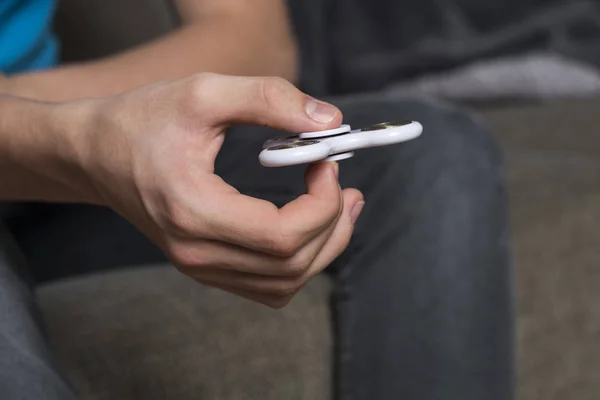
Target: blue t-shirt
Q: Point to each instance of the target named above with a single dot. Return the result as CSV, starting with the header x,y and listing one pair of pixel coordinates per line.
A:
x,y
26,39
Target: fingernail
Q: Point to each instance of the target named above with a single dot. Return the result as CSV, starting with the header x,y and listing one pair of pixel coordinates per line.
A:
x,y
336,170
320,112
356,210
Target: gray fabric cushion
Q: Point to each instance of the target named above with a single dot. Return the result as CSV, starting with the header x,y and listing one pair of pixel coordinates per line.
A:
x,y
553,154
155,334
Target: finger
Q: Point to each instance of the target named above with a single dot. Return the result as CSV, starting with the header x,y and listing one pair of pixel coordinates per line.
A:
x,y
207,258
257,224
194,256
270,300
342,233
221,262
266,284
288,285
269,101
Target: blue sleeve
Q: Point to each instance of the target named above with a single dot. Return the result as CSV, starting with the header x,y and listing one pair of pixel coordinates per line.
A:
x,y
27,42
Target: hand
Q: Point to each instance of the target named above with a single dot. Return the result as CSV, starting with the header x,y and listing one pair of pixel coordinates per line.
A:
x,y
150,156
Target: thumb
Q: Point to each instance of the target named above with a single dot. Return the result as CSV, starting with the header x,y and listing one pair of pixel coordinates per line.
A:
x,y
269,101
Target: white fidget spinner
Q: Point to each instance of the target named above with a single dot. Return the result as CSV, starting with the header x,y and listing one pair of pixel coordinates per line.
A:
x,y
334,144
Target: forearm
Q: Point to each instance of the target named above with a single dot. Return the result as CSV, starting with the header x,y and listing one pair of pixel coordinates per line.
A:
x,y
39,155
224,44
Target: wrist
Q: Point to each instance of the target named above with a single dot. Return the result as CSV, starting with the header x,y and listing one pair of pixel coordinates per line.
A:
x,y
41,149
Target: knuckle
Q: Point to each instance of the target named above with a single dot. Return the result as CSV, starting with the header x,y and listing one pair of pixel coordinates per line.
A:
x,y
198,88
333,209
297,265
178,218
181,255
272,90
285,246
278,303
182,220
347,234
288,288
199,82
185,255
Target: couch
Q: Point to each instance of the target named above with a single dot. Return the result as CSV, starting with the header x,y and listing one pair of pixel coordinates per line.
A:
x,y
148,332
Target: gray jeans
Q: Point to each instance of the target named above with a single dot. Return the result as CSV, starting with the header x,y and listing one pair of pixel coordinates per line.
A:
x,y
423,294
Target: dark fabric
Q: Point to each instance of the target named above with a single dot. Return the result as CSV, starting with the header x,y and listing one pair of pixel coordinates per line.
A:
x,y
156,334
26,367
423,295
362,45
78,239
372,43
422,300
552,153
309,23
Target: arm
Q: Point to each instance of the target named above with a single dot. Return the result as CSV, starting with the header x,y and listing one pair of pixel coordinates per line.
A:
x,y
235,37
149,154
39,153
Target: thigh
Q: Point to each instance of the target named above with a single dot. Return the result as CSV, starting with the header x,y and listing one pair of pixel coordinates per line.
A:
x,y
450,178
423,293
454,150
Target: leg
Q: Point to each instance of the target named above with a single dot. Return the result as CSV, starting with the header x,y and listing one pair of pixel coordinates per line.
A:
x,y
26,368
423,300
423,304
79,239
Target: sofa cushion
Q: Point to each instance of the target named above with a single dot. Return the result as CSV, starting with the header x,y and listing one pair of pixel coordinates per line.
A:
x,y
553,156
153,333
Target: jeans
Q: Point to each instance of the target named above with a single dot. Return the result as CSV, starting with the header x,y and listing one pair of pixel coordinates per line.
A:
x,y
423,294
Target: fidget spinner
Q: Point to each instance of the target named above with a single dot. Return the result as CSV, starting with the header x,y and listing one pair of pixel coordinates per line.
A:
x,y
334,144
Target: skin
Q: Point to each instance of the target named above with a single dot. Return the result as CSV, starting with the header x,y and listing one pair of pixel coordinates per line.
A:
x,y
149,155
234,37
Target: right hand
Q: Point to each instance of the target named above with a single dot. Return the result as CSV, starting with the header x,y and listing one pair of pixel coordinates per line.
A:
x,y
149,154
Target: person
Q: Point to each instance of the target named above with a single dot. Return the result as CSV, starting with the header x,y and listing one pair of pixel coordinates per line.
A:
x,y
422,295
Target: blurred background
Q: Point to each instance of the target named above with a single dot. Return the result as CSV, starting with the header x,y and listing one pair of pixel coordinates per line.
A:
x,y
530,67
